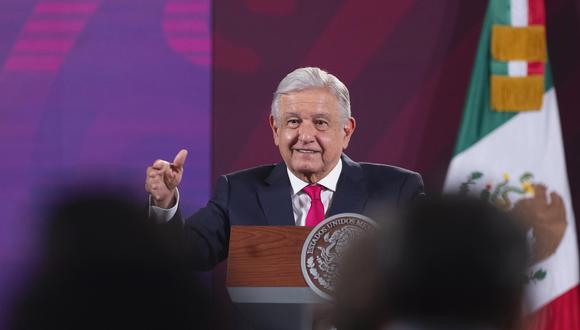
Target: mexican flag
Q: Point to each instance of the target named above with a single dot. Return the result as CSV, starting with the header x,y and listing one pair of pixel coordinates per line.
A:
x,y
509,151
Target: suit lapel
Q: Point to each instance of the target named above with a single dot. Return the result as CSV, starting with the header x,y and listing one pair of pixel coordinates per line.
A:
x,y
275,198
351,194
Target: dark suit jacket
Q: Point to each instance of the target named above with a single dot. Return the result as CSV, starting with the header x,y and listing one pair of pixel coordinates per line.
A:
x,y
262,196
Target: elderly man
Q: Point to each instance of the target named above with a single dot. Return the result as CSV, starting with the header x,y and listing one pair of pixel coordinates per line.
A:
x,y
311,124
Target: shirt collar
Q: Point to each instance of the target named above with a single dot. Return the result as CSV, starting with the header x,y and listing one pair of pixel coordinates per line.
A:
x,y
329,181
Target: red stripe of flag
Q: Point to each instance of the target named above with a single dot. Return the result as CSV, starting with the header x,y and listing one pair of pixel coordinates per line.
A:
x,y
561,313
535,68
536,16
536,12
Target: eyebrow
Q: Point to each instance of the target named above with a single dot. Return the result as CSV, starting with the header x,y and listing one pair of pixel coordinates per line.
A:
x,y
317,115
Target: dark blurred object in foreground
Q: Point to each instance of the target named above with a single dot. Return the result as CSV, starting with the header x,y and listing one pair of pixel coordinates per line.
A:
x,y
447,263
107,268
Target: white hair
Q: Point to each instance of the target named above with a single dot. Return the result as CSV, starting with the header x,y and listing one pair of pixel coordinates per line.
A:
x,y
308,78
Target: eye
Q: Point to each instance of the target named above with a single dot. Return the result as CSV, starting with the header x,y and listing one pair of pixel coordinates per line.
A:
x,y
292,122
321,124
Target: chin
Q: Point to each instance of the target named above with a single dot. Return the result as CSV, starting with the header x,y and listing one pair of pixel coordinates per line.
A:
x,y
307,170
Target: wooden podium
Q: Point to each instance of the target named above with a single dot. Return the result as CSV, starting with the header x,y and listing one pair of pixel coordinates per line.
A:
x,y
264,277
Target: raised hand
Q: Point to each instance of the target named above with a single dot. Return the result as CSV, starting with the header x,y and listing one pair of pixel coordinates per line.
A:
x,y
162,179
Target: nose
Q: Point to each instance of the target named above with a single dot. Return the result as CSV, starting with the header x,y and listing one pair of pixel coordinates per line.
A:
x,y
306,132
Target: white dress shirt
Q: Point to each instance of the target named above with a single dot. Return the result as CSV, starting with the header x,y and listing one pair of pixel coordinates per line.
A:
x,y
300,199
161,215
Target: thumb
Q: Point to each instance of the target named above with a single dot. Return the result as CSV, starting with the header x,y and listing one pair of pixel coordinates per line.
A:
x,y
179,160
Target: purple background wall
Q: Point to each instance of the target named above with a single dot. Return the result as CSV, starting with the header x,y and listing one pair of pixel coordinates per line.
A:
x,y
95,91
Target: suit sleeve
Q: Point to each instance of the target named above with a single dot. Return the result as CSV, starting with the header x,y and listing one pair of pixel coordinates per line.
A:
x,y
411,189
204,237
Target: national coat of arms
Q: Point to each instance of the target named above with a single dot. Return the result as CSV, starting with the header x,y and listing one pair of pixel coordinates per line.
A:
x,y
324,247
543,215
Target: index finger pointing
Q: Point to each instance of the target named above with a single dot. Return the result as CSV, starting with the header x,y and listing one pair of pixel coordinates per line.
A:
x,y
180,158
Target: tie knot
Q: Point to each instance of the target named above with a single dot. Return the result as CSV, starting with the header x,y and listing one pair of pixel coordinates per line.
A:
x,y
313,191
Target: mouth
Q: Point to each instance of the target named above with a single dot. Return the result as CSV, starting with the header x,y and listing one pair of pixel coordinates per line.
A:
x,y
305,151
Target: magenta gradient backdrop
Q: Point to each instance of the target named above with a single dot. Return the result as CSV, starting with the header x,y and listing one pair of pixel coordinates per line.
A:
x,y
407,64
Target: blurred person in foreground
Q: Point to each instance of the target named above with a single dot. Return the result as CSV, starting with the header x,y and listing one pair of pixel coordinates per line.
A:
x,y
312,124
105,268
447,263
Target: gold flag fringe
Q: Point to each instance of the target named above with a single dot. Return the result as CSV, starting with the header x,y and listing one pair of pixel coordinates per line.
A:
x,y
518,43
517,93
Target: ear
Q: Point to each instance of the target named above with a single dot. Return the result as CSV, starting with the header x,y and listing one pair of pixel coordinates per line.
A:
x,y
275,129
348,128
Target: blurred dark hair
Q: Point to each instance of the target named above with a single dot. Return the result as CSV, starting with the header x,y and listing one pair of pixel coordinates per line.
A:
x,y
106,267
455,259
445,260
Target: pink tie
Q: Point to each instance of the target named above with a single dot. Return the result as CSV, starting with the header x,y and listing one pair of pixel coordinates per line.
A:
x,y
316,212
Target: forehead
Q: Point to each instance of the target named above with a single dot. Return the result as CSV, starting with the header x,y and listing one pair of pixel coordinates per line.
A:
x,y
309,100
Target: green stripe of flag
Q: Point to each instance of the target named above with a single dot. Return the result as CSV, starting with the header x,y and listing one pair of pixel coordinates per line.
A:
x,y
499,68
548,83
478,119
501,11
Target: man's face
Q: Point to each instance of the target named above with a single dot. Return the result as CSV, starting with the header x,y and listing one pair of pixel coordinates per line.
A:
x,y
310,132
